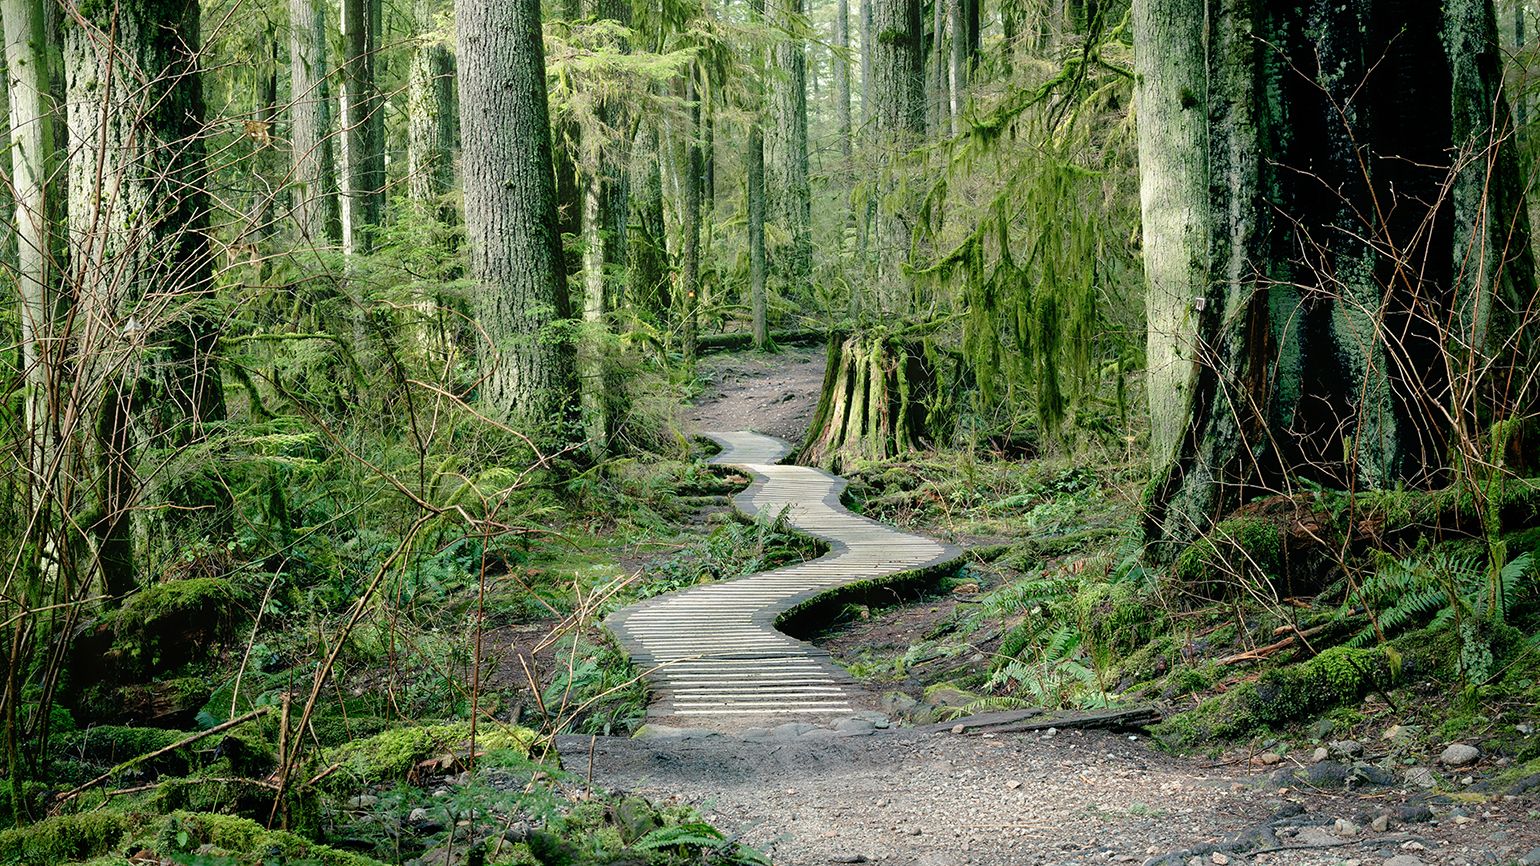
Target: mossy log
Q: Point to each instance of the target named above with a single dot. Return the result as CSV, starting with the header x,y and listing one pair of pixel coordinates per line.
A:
x,y
877,402
736,340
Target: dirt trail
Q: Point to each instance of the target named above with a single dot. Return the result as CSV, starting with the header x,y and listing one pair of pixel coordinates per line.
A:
x,y
929,797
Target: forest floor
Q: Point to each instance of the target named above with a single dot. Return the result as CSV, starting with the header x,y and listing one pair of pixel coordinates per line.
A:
x,y
930,797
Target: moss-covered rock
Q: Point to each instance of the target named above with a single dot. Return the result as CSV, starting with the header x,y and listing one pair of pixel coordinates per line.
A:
x,y
172,623
1236,551
1337,676
64,839
1118,618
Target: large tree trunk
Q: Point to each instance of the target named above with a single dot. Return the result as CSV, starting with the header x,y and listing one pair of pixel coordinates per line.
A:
x,y
754,159
316,209
789,174
363,126
32,160
898,121
647,247
140,261
841,61
1325,285
510,215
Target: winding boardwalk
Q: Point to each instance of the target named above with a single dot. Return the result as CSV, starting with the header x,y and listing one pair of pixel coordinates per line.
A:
x,y
713,655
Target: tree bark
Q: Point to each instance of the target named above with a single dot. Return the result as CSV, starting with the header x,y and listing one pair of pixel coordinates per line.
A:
x,y
1328,289
841,60
647,247
430,114
789,174
140,259
754,160
315,207
510,215
31,156
363,126
690,212
898,121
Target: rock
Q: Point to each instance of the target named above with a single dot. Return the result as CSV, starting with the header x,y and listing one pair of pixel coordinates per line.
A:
x,y
849,858
363,801
855,726
898,704
1316,837
1380,824
791,730
1319,755
1219,859
1327,774
957,729
912,831
1417,813
1378,777
1267,759
423,821
1459,755
1344,827
1404,860
1013,784
636,818
1322,728
1345,748
1422,777
1530,859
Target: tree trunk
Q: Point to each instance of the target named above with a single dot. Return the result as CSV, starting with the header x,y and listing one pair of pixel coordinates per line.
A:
x,y
841,60
31,157
316,209
898,121
259,219
755,167
647,248
936,66
603,194
690,212
1325,303
1520,99
430,115
789,175
363,119
141,262
510,215
877,395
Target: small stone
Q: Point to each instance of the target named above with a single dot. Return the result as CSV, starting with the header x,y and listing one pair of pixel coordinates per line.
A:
x,y
1195,861
1464,819
1219,859
363,801
957,729
1267,759
1422,777
1345,748
1380,824
1344,827
1467,780
1404,860
1317,837
1319,755
1013,784
1530,859
1050,733
912,831
1459,755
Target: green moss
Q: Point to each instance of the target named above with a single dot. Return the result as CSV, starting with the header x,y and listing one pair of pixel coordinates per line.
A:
x,y
110,745
1337,676
63,839
173,622
390,756
1117,617
230,835
1236,550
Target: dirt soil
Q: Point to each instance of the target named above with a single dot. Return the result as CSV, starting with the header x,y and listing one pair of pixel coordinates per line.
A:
x,y
774,394
932,798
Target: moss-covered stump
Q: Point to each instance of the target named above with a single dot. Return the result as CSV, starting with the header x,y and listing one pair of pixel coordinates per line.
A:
x,y
1337,676
227,835
399,755
878,401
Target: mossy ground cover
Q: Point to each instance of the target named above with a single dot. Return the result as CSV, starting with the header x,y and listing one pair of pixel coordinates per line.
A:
x,y
1257,631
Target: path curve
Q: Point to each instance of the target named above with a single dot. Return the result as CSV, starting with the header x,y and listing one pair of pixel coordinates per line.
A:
x,y
712,654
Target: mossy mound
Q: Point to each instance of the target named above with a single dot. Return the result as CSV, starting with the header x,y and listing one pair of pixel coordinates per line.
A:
x,y
1118,617
242,838
64,839
392,756
1337,676
169,624
1235,552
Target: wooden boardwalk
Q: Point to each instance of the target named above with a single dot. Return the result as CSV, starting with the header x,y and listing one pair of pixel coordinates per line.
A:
x,y
712,654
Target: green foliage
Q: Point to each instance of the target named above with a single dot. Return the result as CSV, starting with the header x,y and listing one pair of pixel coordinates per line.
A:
x,y
728,550
244,840
1236,551
169,622
391,756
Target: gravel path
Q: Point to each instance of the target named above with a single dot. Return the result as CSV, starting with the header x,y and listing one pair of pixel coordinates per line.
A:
x,y
931,798
773,394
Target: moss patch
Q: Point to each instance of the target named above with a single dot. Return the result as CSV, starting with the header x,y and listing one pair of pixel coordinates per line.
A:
x,y
64,839
391,756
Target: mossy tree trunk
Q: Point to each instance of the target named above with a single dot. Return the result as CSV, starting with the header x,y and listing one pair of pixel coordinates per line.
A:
x,y
363,125
754,168
898,121
789,179
315,206
1329,289
141,267
691,181
647,283
879,394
